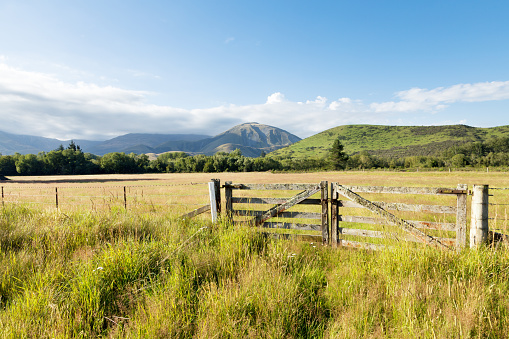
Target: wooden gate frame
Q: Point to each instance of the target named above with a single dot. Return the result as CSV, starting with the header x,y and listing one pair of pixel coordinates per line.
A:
x,y
281,204
409,226
330,231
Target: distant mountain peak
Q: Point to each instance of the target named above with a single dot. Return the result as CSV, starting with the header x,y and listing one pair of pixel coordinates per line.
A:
x,y
263,137
251,138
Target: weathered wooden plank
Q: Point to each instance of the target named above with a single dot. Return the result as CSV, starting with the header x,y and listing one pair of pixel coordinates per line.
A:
x,y
361,233
404,190
196,212
461,218
292,226
324,188
302,237
278,187
373,234
334,216
228,195
360,245
217,189
386,235
300,215
416,208
441,226
479,223
451,242
403,207
247,213
407,226
291,202
272,201
213,201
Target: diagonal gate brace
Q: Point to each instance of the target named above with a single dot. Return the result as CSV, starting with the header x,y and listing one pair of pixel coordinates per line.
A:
x,y
407,226
282,207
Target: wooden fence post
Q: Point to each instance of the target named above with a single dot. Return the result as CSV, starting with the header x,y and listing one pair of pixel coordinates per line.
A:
x,y
334,205
217,192
213,203
461,218
56,197
3,203
325,211
479,223
125,199
228,201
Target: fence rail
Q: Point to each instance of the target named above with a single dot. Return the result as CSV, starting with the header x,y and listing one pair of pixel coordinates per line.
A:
x,y
249,209
333,215
154,198
414,230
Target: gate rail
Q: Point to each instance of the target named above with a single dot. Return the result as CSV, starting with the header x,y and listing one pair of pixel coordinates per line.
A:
x,y
413,228
331,232
281,205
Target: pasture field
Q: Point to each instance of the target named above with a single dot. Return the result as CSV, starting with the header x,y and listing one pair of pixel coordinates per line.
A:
x,y
142,273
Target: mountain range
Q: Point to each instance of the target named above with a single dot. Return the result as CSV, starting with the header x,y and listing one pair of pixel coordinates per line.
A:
x,y
254,138
251,138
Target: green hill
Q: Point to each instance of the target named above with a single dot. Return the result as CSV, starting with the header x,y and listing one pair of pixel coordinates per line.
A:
x,y
390,141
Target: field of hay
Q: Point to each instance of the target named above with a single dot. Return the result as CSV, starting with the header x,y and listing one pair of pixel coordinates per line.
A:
x,y
119,273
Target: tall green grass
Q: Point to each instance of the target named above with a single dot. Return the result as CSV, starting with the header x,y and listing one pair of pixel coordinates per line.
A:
x,y
122,275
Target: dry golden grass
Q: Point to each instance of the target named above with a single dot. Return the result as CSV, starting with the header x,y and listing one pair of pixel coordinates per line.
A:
x,y
378,178
180,193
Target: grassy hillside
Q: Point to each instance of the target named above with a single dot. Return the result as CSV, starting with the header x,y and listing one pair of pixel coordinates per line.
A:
x,y
394,141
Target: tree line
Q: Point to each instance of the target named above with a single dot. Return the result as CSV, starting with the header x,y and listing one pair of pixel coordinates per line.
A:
x,y
477,154
73,161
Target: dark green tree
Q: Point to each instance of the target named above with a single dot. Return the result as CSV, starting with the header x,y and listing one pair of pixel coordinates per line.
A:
x,y
7,166
74,147
337,155
118,163
29,164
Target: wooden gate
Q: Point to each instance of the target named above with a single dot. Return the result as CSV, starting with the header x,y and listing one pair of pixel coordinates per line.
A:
x,y
286,219
426,232
345,228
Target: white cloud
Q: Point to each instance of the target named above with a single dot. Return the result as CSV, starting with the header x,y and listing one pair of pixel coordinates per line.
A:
x,y
439,98
347,105
42,104
276,98
228,40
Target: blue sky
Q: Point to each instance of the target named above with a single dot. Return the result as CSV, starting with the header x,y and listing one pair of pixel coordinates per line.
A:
x,y
97,69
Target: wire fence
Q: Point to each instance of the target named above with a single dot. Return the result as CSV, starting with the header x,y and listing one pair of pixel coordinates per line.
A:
x,y
168,198
498,204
